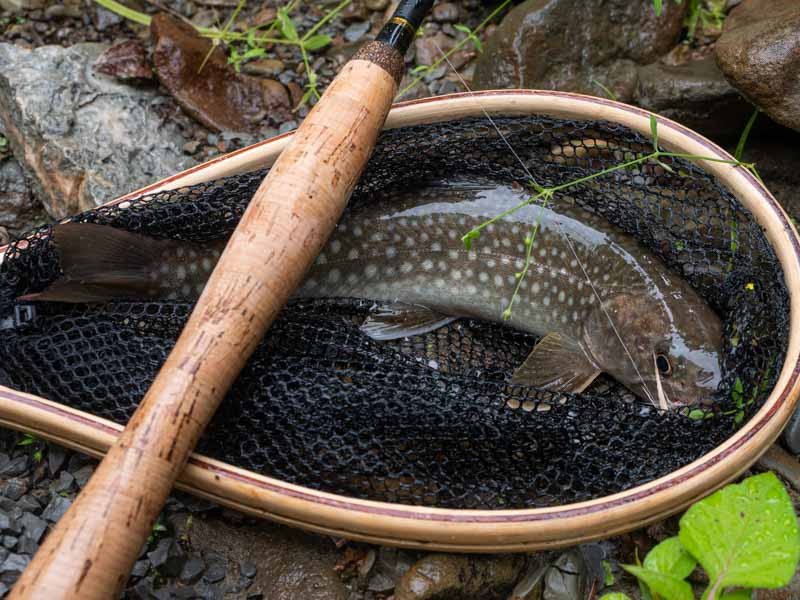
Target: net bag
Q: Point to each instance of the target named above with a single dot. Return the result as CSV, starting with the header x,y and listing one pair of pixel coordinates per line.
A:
x,y
431,420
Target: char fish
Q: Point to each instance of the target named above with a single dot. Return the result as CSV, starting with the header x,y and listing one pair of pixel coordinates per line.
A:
x,y
600,301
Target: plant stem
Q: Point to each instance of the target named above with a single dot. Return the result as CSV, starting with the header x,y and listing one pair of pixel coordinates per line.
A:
x,y
124,11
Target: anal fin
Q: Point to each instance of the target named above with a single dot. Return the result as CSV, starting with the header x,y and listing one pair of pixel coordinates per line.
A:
x,y
399,320
558,364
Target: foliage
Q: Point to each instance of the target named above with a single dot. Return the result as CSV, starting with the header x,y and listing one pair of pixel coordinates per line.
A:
x,y
745,536
544,195
421,71
709,13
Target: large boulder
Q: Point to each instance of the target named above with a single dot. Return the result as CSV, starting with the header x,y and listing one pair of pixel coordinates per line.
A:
x,y
82,137
759,52
572,44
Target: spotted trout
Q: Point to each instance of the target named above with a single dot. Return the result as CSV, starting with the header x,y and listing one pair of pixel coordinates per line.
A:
x,y
599,300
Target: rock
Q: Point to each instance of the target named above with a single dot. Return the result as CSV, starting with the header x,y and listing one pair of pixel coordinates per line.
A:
x,y
125,61
248,569
14,488
542,44
446,12
56,509
64,483
759,52
265,16
5,238
460,576
192,570
140,568
9,541
431,48
5,521
355,11
217,568
21,5
56,455
83,137
695,94
12,567
377,4
218,97
19,210
15,467
82,475
291,564
265,67
356,31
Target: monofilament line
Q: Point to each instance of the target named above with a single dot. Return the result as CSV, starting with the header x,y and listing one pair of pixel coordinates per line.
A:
x,y
475,99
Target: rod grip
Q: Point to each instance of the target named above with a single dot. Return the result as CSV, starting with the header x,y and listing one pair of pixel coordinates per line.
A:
x,y
91,550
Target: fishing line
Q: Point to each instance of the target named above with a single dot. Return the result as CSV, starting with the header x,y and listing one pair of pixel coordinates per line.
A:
x,y
475,99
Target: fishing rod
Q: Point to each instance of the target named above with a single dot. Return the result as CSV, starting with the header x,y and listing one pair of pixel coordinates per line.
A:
x,y
91,550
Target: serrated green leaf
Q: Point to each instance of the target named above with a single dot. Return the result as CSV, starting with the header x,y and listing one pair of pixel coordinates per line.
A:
x,y
666,586
615,596
318,41
671,558
744,535
286,26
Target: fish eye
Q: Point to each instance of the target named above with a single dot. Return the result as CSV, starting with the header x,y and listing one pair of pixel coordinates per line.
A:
x,y
662,364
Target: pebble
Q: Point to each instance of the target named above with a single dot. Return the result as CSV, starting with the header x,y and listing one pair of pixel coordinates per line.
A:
x,y
56,509
140,568
33,527
5,522
15,467
15,488
287,127
248,569
56,455
82,475
446,12
356,31
271,67
9,541
217,568
192,570
377,4
65,482
12,566
29,503
159,555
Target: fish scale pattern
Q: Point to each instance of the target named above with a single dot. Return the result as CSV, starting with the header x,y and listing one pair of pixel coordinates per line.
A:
x,y
430,420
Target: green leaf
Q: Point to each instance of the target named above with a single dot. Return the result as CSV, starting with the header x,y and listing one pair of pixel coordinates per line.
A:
x,y
744,535
738,595
469,237
658,5
745,134
253,53
654,131
463,29
477,43
286,26
666,586
670,558
608,578
3,141
316,42
615,596
27,440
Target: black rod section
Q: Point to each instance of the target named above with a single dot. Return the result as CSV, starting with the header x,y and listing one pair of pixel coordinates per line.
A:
x,y
401,29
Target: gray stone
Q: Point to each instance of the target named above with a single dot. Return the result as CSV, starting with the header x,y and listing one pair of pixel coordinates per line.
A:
x,y
9,541
356,31
15,467
83,137
64,483
13,566
192,570
159,555
14,488
56,455
248,569
21,5
140,568
445,12
5,521
33,527
543,44
29,503
82,475
217,568
759,52
56,509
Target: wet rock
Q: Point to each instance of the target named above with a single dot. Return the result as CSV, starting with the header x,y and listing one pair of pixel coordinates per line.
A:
x,y
446,12
431,48
759,52
291,564
56,509
542,44
695,94
18,208
218,97
460,577
357,31
125,61
83,137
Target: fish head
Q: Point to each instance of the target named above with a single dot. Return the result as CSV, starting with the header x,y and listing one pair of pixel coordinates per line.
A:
x,y
665,348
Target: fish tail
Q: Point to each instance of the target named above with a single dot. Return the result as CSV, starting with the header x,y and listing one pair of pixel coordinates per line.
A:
x,y
100,263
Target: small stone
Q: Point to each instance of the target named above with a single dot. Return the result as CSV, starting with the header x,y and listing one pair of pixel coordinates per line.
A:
x,y
65,482
192,570
14,488
191,147
287,127
216,572
140,568
355,11
29,503
125,61
207,591
56,455
430,49
248,569
66,9
5,521
105,19
82,475
446,12
13,566
265,16
377,4
15,467
160,554
21,5
33,527
239,585
271,67
56,509
9,541
356,31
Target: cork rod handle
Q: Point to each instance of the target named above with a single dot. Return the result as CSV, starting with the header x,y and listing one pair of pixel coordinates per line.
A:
x,y
90,552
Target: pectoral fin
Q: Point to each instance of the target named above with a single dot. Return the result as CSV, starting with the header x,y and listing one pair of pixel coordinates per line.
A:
x,y
398,320
557,363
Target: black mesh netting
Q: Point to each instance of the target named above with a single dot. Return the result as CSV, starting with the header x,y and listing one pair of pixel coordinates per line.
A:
x,y
430,420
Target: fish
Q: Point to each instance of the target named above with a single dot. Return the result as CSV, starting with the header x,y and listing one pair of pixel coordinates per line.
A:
x,y
599,300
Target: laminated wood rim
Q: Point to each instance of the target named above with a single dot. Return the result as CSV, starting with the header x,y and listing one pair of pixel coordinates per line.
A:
x,y
474,530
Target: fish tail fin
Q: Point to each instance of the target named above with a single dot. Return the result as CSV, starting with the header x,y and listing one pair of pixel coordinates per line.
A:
x,y
101,263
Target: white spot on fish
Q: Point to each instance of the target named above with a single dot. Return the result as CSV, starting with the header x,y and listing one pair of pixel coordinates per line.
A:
x,y
164,269
322,259
456,274
357,231
180,252
472,289
543,252
561,296
443,266
438,282
186,290
193,268
491,263
410,242
452,234
352,278
206,262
